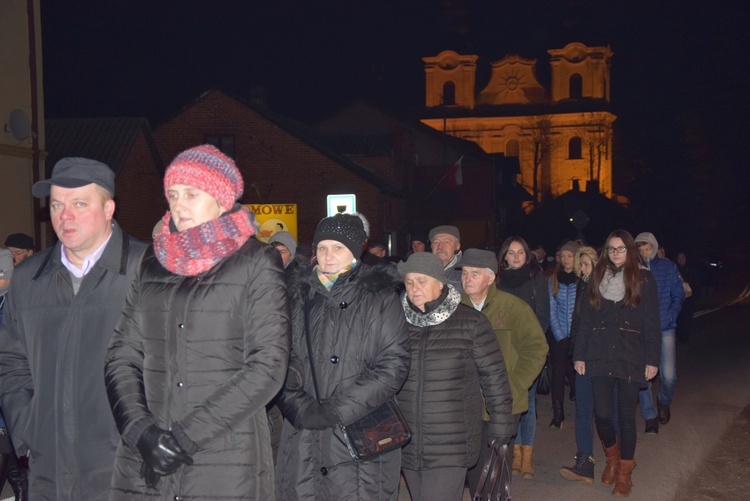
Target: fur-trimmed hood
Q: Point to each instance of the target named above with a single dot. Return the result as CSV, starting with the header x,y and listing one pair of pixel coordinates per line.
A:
x,y
373,279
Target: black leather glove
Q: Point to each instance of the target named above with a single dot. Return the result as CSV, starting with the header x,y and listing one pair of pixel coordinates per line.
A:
x,y
150,476
161,452
317,417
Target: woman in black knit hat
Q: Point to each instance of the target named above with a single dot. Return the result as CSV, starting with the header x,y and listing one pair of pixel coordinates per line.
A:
x,y
357,332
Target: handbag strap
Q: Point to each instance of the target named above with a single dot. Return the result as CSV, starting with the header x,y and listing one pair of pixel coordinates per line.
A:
x,y
494,482
310,354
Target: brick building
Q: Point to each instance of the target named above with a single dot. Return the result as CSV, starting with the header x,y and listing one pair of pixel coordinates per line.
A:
x,y
283,161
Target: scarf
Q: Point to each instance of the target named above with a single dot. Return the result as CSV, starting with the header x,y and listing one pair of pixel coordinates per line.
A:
x,y
195,250
566,277
513,279
612,286
328,279
432,316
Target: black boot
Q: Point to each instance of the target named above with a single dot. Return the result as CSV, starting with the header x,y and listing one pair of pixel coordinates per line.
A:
x,y
664,412
558,415
18,478
583,471
4,458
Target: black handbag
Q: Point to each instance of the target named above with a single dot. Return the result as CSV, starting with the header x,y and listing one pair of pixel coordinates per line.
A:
x,y
381,431
494,482
545,379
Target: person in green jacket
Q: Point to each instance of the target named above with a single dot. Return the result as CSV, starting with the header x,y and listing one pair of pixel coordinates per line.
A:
x,y
517,329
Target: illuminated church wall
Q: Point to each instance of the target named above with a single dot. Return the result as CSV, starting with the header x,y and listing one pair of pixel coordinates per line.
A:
x,y
514,112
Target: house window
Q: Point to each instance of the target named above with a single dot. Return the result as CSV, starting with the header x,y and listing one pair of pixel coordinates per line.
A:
x,y
449,93
511,148
574,148
576,86
224,142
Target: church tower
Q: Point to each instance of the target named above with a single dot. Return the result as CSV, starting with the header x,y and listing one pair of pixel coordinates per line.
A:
x,y
450,79
580,72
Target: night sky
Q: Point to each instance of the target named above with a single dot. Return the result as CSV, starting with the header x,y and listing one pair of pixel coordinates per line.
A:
x,y
679,71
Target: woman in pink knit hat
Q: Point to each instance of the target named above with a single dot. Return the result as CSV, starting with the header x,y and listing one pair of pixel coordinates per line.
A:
x,y
202,346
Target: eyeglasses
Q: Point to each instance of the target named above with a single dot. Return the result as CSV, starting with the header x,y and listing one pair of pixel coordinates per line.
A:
x,y
619,250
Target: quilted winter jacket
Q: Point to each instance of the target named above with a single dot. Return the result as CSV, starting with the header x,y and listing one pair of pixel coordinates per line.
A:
x,y
441,399
52,348
211,351
360,340
521,339
561,309
618,341
670,290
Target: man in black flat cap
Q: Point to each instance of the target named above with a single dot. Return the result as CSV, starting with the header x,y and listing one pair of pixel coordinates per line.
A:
x,y
59,316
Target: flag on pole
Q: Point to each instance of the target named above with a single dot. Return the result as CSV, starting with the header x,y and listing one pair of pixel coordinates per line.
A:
x,y
455,174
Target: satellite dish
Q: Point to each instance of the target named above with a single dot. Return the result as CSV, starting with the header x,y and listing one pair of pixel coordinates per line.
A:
x,y
20,125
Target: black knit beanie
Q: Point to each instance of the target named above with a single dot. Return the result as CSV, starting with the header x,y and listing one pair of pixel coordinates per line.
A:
x,y
345,228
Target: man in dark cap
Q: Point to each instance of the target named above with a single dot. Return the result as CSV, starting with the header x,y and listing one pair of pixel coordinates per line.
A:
x,y
522,343
20,245
61,311
446,244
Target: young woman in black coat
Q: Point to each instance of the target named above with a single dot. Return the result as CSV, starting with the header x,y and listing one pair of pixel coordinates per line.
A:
x,y
618,345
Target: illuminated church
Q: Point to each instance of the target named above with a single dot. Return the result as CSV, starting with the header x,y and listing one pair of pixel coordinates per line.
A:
x,y
562,136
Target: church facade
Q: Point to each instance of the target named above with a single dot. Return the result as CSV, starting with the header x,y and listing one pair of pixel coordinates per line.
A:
x,y
562,135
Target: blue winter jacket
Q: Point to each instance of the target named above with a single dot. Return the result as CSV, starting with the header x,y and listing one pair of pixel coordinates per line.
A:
x,y
561,309
669,289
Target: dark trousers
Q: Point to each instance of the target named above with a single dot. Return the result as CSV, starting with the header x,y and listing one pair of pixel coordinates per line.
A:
x,y
560,367
603,388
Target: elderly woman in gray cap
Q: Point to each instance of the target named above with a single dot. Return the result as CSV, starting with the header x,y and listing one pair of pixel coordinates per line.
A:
x,y
454,354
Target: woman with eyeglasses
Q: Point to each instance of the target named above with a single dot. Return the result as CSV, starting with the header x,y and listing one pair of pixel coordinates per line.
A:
x,y
618,345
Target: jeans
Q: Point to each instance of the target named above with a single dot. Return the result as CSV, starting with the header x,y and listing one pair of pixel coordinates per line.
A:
x,y
627,398
527,427
667,374
584,415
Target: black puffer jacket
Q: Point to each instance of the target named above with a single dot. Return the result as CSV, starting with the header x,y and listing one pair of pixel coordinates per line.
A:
x,y
618,341
441,400
211,351
361,355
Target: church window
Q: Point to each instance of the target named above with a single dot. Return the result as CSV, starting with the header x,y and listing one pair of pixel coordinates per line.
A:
x,y
574,148
449,93
576,86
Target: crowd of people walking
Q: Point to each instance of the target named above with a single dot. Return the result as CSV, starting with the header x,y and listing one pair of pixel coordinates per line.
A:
x,y
210,365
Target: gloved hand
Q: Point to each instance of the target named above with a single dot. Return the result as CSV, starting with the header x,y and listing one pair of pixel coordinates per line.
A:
x,y
317,417
161,452
150,476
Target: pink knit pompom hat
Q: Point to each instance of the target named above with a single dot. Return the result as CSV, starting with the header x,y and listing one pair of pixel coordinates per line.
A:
x,y
208,169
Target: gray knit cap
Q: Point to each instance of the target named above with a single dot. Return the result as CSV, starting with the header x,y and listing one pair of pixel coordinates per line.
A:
x,y
286,239
571,247
345,228
425,263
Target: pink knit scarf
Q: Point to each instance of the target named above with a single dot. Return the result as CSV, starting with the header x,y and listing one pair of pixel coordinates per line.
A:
x,y
195,250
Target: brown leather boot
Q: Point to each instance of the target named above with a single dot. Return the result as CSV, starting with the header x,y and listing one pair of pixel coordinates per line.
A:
x,y
517,459
613,459
624,479
527,465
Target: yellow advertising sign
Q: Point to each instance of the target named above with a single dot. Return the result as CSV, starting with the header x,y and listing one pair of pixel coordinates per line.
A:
x,y
275,217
